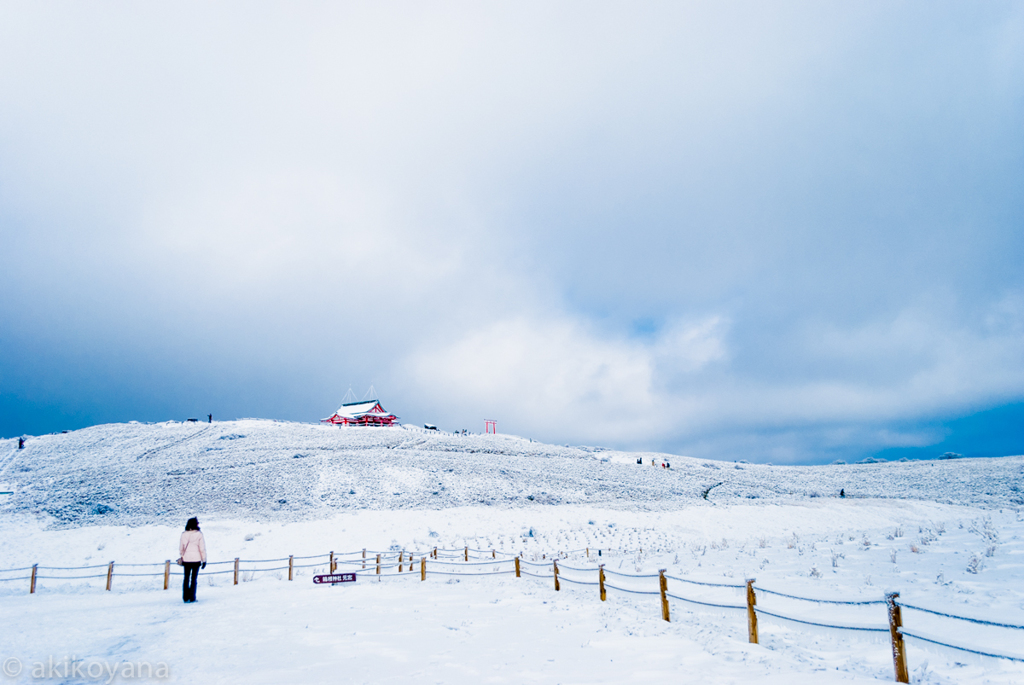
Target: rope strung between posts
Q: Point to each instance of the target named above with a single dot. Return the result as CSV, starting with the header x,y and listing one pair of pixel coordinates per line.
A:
x,y
706,604
635,592
904,633
701,582
961,618
378,571
868,629
471,563
630,575
581,570
536,575
570,580
373,569
820,601
448,573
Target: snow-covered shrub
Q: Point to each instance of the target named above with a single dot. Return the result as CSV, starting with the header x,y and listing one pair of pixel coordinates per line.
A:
x,y
985,529
836,556
975,564
990,551
814,572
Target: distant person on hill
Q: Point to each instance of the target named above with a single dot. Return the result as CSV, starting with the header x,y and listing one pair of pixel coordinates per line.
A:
x,y
209,418
842,492
21,443
192,551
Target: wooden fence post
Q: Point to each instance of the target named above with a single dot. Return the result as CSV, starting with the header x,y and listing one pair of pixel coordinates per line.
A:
x,y
600,580
435,552
493,555
364,558
291,565
423,568
333,564
467,554
751,614
167,573
899,653
588,552
517,568
401,558
32,584
378,564
110,574
557,587
663,584
236,570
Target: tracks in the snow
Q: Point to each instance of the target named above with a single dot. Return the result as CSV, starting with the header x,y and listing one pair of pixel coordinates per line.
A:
x,y
173,443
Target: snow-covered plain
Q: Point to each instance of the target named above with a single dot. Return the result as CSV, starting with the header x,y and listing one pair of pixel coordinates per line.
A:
x,y
946,535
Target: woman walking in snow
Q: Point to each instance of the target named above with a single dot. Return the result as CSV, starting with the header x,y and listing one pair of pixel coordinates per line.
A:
x,y
192,551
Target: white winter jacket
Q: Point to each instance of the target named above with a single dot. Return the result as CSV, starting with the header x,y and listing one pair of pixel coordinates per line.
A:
x,y
192,546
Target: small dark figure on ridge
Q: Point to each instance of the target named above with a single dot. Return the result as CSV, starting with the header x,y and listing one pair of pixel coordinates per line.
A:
x,y
192,551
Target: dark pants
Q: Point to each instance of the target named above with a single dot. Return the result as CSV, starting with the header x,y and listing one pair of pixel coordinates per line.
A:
x,y
188,586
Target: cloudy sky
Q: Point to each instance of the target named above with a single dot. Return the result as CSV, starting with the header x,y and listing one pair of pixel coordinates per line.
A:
x,y
787,232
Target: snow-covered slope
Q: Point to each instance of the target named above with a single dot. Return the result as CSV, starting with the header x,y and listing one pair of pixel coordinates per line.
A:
x,y
136,473
947,535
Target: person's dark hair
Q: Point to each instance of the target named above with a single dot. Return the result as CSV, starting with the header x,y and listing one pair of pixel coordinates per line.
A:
x,y
193,524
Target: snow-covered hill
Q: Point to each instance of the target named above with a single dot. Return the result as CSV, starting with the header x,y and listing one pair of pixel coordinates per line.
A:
x,y
136,473
948,535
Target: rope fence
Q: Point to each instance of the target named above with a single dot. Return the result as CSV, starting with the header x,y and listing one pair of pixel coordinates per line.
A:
x,y
962,618
388,564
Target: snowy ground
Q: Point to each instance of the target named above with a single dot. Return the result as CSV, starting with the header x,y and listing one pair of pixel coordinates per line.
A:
x,y
951,541
136,473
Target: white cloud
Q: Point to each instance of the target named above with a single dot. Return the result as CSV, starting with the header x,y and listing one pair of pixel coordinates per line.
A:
x,y
557,377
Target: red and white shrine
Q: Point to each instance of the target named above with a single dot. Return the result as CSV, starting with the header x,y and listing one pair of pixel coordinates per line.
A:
x,y
364,413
